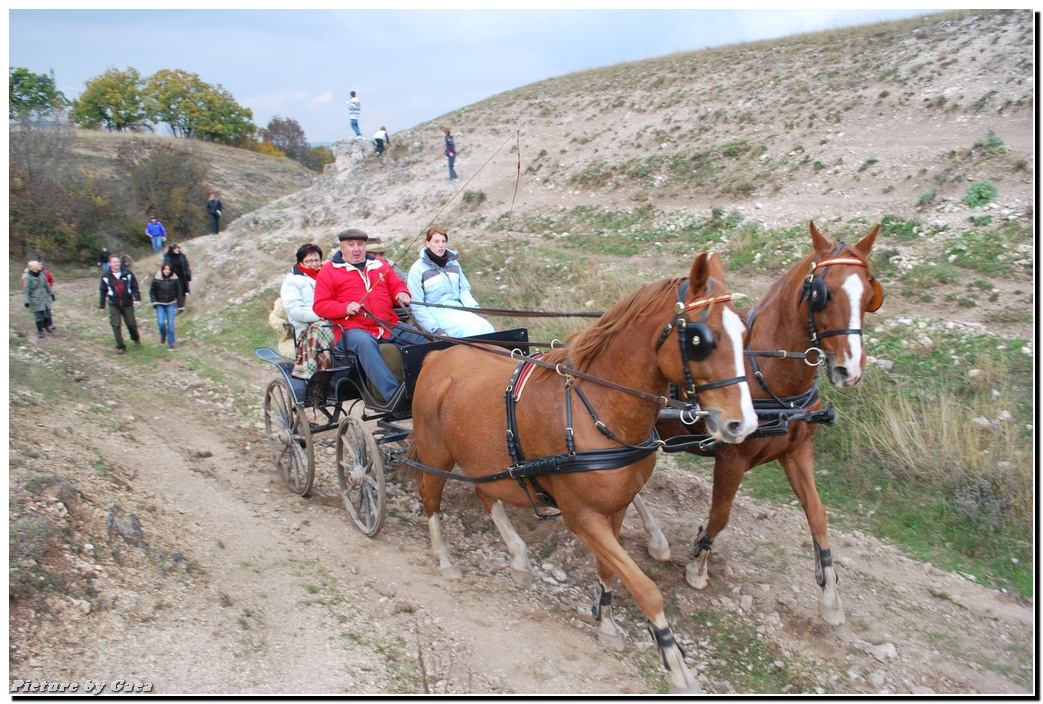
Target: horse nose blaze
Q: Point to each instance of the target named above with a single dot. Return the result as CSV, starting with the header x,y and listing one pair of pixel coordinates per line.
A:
x,y
851,365
736,331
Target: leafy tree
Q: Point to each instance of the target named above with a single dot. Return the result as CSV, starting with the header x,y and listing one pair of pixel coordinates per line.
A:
x,y
193,108
32,94
112,100
287,136
225,120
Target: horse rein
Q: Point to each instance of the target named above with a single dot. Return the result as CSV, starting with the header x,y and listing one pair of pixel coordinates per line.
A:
x,y
516,313
515,354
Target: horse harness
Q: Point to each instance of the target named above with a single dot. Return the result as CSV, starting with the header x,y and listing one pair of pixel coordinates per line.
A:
x,y
696,343
780,411
816,293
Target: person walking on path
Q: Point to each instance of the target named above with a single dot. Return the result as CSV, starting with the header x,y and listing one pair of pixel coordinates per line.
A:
x,y
213,209
450,151
168,300
103,259
178,262
157,233
380,139
354,110
120,290
38,295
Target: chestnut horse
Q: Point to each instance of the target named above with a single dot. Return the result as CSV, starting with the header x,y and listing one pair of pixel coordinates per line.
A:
x,y
671,331
815,312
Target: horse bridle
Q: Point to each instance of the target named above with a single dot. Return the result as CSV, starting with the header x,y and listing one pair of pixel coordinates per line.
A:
x,y
817,295
696,339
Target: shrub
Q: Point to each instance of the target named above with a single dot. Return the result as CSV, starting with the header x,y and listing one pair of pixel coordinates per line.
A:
x,y
473,198
991,145
927,198
980,193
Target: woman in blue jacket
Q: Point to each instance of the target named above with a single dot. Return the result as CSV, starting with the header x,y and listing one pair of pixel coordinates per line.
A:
x,y
436,278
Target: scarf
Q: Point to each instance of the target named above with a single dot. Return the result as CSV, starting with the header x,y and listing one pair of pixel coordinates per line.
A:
x,y
304,271
440,261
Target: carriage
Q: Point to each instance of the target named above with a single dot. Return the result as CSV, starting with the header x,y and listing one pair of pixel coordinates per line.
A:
x,y
683,332
296,410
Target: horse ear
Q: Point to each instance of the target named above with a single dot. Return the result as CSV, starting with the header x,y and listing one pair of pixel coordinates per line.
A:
x,y
822,246
700,273
865,245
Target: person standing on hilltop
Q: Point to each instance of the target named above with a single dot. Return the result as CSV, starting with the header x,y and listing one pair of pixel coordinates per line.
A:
x,y
450,151
354,110
213,209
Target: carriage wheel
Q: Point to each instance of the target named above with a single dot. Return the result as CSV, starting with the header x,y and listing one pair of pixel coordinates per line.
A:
x,y
360,472
289,436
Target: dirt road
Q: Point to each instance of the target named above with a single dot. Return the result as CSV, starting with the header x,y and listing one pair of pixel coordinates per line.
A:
x,y
233,585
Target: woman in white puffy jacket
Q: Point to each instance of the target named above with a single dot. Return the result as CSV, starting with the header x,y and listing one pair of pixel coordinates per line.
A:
x,y
298,288
436,277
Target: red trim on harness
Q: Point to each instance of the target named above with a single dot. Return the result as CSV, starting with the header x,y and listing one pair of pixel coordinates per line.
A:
x,y
523,377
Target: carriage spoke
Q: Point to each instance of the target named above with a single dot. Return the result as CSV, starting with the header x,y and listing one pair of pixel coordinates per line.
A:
x,y
289,437
360,473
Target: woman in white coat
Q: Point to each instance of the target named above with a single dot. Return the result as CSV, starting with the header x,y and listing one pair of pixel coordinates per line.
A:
x,y
298,288
436,277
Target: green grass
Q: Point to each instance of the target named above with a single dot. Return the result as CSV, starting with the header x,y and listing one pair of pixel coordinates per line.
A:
x,y
907,463
991,251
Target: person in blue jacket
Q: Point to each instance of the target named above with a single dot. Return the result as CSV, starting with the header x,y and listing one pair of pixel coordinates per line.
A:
x,y
157,233
436,277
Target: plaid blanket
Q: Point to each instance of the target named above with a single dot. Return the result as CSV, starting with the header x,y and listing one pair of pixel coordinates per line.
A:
x,y
313,350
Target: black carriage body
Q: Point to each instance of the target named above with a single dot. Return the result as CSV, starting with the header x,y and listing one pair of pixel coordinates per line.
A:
x,y
346,381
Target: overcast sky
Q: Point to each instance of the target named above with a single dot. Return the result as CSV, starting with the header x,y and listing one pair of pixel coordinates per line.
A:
x,y
407,66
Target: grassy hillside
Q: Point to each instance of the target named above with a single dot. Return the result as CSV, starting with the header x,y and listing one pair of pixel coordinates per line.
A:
x,y
245,180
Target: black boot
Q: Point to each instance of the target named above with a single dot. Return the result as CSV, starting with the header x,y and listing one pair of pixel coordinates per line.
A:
x,y
39,328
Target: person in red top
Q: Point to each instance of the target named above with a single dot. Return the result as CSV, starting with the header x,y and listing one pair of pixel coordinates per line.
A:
x,y
352,282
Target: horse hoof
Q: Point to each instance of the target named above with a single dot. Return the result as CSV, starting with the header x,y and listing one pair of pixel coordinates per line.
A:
x,y
692,688
612,641
833,615
523,578
658,552
452,572
696,577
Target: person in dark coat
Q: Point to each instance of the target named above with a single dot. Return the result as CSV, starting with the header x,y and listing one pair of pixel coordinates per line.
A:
x,y
103,260
120,290
450,152
168,300
179,263
213,209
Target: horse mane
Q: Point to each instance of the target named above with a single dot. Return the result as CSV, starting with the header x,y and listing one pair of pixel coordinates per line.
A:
x,y
586,344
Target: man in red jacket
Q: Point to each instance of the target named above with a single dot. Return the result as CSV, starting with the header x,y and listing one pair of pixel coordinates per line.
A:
x,y
351,283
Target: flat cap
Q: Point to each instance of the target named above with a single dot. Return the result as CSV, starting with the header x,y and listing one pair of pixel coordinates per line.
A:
x,y
352,234
375,245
